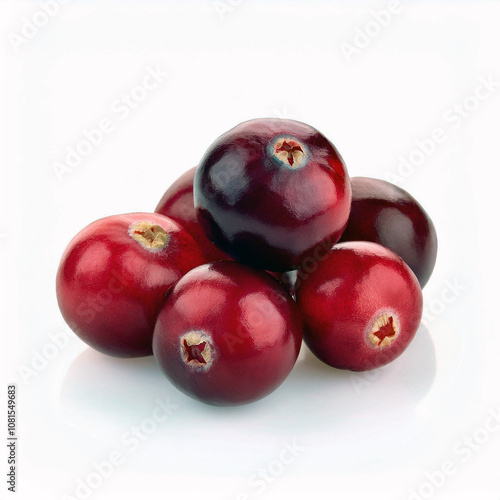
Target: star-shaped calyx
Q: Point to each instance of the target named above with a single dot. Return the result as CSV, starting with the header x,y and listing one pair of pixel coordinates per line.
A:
x,y
196,350
289,151
384,331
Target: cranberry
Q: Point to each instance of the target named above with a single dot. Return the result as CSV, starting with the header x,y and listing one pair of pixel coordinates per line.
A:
x,y
113,277
177,203
384,213
265,182
227,334
361,306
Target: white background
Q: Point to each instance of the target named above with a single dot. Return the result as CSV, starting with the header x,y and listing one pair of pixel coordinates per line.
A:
x,y
380,435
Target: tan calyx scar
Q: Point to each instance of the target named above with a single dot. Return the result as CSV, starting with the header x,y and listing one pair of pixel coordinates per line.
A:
x,y
196,349
289,151
384,330
149,235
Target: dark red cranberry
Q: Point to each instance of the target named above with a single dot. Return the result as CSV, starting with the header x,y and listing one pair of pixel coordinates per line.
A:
x,y
361,306
384,213
272,192
114,275
227,334
177,203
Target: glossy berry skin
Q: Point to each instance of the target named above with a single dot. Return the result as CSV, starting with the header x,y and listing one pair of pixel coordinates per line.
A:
x,y
361,307
227,334
114,275
384,213
272,192
177,203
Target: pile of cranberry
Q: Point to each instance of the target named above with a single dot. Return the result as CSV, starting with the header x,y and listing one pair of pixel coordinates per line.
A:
x,y
266,242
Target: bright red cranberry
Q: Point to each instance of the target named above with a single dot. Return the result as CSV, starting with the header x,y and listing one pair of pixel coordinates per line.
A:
x,y
113,277
227,334
361,306
177,203
384,213
272,193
